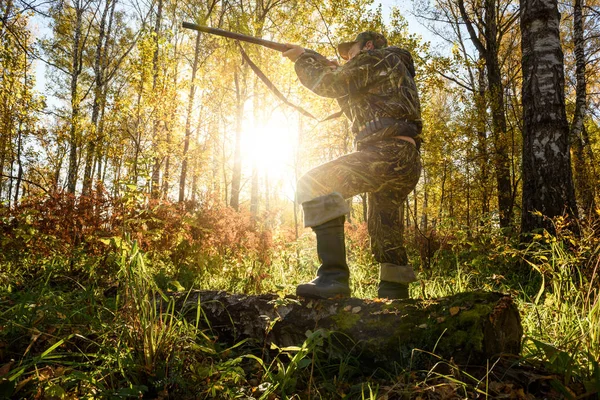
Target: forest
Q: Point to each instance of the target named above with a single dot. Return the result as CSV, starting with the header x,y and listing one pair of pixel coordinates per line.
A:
x,y
142,163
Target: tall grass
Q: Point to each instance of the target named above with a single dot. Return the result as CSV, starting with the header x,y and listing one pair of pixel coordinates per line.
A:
x,y
555,281
100,321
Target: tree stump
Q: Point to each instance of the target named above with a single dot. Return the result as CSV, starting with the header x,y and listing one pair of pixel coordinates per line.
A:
x,y
468,328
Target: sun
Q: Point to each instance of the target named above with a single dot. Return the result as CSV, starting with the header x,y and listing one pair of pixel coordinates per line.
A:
x,y
270,145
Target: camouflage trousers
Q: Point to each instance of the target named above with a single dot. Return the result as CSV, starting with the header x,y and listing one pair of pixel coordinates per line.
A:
x,y
387,170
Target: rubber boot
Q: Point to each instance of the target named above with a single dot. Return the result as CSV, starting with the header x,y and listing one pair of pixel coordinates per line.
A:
x,y
394,280
392,290
333,275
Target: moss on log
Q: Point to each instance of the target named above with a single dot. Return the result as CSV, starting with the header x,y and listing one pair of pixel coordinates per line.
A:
x,y
468,328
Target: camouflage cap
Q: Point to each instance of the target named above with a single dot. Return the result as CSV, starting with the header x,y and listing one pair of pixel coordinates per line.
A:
x,y
378,40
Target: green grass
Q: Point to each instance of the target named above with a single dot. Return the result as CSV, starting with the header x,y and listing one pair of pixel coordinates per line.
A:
x,y
77,326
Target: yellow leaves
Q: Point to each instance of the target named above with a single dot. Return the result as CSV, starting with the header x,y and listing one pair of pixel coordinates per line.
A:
x,y
454,311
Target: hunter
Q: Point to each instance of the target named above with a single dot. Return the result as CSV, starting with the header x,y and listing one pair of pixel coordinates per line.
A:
x,y
376,91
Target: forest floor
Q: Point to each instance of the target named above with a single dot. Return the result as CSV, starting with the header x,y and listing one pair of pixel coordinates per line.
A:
x,y
78,320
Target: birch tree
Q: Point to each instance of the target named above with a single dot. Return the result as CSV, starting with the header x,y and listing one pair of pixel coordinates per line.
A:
x,y
547,179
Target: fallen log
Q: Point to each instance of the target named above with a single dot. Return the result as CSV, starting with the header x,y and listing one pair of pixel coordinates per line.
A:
x,y
468,328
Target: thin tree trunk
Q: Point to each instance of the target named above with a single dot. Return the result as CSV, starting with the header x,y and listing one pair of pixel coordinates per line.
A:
x,y
19,163
267,192
224,165
138,131
99,148
11,169
3,148
365,211
254,192
482,140
1,167
415,226
75,102
425,218
101,122
196,163
443,189
216,187
117,176
155,187
407,213
75,105
188,121
468,183
489,51
98,94
297,175
237,157
547,178
255,183
167,173
496,90
584,176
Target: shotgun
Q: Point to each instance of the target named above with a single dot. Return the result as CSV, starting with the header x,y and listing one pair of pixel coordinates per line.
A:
x,y
238,36
266,43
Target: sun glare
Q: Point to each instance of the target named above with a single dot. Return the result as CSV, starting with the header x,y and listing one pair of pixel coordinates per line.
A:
x,y
270,146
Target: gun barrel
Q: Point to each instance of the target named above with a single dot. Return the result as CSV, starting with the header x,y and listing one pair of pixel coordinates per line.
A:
x,y
238,36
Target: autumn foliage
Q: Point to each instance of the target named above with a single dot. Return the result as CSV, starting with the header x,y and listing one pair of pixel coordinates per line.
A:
x,y
62,224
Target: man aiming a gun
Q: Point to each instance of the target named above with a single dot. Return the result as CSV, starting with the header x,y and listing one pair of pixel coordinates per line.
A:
x,y
377,92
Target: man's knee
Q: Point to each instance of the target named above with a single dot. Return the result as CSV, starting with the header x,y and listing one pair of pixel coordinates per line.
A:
x,y
324,208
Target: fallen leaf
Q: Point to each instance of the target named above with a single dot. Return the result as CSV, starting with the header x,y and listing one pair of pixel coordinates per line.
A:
x,y
5,369
454,310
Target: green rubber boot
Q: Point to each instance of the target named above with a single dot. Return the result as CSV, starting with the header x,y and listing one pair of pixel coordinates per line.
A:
x,y
333,275
392,290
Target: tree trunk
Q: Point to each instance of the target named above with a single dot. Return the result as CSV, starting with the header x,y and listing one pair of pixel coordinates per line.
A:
x,y
104,67
2,160
155,189
236,178
297,176
424,216
482,139
75,102
198,151
547,177
489,51
98,95
188,121
138,131
468,328
19,164
254,192
167,173
496,92
256,110
583,168
365,213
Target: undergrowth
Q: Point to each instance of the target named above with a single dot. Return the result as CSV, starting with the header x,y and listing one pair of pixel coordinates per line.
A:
x,y
86,309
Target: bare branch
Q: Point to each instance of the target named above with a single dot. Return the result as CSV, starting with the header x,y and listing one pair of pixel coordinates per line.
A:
x,y
474,38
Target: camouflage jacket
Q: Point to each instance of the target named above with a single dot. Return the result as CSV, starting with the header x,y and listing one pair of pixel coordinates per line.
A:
x,y
374,84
